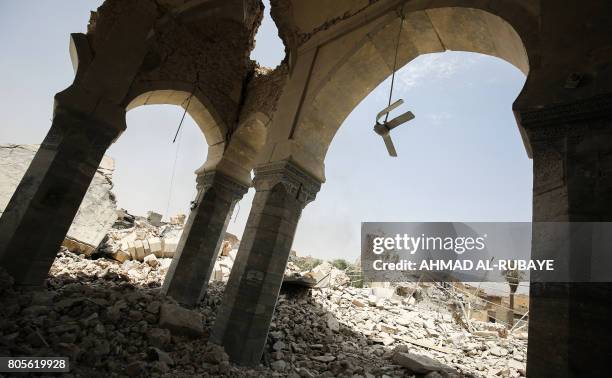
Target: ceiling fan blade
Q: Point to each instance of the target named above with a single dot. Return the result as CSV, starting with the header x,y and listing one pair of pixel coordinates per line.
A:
x,y
388,109
395,122
389,144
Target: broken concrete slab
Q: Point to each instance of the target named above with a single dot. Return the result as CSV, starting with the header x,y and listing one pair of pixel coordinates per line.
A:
x,y
154,218
97,212
297,279
420,364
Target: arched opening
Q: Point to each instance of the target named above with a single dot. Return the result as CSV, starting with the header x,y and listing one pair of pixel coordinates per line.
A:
x,y
343,82
359,82
461,159
156,162
451,156
151,172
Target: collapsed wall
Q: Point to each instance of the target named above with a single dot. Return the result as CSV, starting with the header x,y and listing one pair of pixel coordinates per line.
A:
x,y
97,212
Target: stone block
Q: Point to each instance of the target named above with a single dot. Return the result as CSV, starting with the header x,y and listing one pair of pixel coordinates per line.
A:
x,y
151,260
121,256
155,245
170,245
131,249
139,250
147,248
181,321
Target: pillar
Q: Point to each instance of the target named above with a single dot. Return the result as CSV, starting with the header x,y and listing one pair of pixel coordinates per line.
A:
x,y
570,331
46,200
243,319
202,238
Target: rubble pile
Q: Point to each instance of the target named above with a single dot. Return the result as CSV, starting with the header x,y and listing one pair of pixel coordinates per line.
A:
x,y
322,275
344,329
111,320
149,239
136,238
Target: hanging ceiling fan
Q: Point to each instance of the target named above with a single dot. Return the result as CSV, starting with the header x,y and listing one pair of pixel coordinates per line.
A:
x,y
384,128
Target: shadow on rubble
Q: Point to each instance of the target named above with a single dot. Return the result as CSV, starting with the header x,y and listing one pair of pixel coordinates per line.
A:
x,y
310,336
107,324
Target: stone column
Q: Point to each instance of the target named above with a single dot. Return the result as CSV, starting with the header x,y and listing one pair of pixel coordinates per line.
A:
x,y
202,238
46,200
243,319
570,331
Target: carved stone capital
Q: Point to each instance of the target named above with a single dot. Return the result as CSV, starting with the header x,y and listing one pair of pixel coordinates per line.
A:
x,y
567,119
223,184
297,181
78,112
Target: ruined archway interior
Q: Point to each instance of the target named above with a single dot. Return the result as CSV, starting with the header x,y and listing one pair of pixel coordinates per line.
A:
x,y
373,57
450,164
450,157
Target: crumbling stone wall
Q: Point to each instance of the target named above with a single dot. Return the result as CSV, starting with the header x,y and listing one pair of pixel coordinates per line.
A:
x,y
264,90
205,52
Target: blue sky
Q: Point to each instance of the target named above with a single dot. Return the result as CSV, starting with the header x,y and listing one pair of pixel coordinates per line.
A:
x,y
461,159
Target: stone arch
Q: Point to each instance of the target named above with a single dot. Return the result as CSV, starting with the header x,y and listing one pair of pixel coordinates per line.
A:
x,y
200,108
210,123
340,83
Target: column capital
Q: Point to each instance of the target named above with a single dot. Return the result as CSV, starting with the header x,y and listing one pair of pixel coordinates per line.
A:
x,y
565,119
297,181
76,109
208,179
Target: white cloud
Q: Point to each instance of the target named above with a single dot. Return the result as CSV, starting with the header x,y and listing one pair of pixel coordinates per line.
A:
x,y
439,118
435,66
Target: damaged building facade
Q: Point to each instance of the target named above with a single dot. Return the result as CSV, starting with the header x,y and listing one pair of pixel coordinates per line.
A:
x,y
279,124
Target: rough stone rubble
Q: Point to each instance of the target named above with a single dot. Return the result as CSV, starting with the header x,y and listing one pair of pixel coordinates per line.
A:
x,y
110,319
135,238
